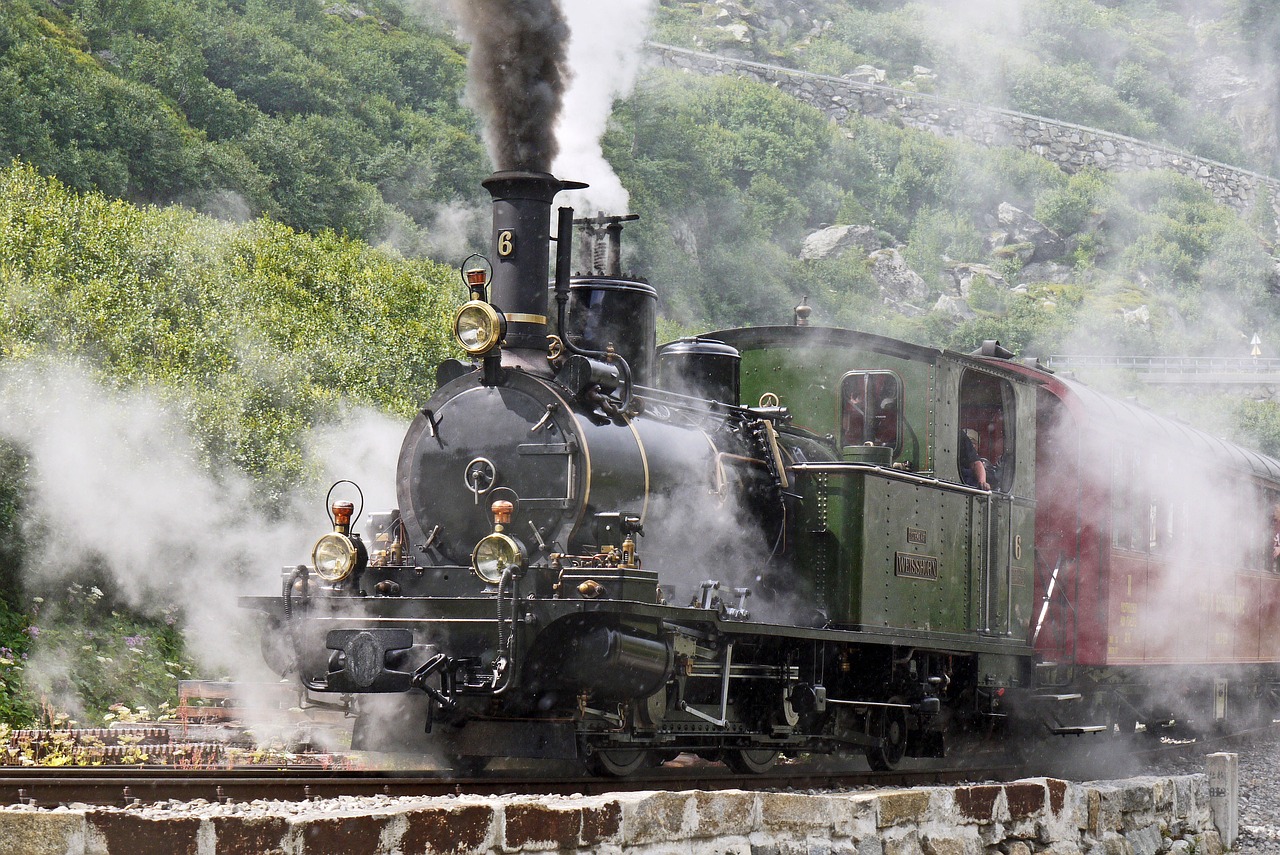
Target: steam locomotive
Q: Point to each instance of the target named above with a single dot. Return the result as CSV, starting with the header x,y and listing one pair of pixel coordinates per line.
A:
x,y
771,540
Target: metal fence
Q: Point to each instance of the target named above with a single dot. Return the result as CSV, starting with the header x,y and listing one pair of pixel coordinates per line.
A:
x,y
1169,364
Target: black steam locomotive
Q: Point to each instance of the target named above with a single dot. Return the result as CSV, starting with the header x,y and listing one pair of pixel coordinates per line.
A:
x,y
760,541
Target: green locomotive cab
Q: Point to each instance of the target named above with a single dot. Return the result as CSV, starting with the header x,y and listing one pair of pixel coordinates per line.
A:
x,y
897,535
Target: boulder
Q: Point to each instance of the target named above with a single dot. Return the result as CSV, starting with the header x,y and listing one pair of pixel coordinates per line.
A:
x,y
964,274
866,74
1021,227
1139,318
1047,271
835,241
955,307
900,286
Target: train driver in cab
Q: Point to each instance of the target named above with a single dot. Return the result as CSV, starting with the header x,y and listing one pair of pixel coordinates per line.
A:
x,y
973,469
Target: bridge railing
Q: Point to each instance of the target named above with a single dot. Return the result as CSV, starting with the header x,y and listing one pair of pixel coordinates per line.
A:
x,y
1168,364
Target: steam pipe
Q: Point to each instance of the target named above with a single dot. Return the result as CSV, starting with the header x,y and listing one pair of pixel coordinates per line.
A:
x,y
564,250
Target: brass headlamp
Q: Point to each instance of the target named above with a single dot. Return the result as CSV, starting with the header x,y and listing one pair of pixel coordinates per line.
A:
x,y
336,554
478,327
498,552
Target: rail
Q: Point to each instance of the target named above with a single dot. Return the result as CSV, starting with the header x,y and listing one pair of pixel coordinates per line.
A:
x,y
1168,364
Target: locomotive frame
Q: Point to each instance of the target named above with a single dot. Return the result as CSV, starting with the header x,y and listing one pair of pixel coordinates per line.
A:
x,y
755,542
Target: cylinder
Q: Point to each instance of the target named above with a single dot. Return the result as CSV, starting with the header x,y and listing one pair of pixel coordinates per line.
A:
x,y
521,245
618,665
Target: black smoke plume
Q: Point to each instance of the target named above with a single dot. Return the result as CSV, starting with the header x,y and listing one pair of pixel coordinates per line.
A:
x,y
517,74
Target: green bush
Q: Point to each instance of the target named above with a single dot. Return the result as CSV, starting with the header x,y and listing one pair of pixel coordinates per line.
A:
x,y
315,120
256,330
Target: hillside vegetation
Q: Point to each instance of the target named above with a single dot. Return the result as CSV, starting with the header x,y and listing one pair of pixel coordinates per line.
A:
x,y
249,333
348,119
1193,74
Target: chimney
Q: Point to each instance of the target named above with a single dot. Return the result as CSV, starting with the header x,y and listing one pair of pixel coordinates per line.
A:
x,y
521,246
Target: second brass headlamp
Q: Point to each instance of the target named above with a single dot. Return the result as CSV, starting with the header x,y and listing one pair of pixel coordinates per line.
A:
x,y
478,327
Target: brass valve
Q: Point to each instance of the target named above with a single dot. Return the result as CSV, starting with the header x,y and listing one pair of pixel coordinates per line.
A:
x,y
501,510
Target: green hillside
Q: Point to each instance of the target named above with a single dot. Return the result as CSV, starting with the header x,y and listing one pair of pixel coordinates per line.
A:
x,y
348,119
249,334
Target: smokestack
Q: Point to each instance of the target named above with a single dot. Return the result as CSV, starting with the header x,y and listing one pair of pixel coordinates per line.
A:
x,y
521,246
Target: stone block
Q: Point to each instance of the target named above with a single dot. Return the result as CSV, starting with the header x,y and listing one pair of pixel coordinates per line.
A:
x,y
854,815
1057,795
249,835
1111,843
796,813
1184,797
320,835
1211,844
1104,810
725,813
41,833
907,844
951,844
902,806
870,846
124,831
1025,799
533,826
601,823
450,829
978,803
657,817
1146,840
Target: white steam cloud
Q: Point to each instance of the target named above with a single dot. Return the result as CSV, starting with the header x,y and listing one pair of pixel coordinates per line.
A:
x,y
606,42
115,483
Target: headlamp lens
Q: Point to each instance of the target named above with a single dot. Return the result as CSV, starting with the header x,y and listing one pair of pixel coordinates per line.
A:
x,y
477,327
494,554
334,557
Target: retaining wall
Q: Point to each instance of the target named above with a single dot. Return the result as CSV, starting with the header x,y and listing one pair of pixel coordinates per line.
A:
x,y
1136,817
1070,146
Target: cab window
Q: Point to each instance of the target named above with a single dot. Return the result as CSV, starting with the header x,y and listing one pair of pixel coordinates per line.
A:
x,y
986,426
871,409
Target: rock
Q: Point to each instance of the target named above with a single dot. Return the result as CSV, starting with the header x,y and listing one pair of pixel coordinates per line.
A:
x,y
900,286
996,239
740,33
866,74
1024,228
1139,317
1046,271
964,274
954,306
834,241
346,11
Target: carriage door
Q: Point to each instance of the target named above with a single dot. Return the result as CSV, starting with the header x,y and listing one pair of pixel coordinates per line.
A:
x,y
987,446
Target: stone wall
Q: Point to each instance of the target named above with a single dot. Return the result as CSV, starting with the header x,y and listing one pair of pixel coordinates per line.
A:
x,y
1070,146
1142,816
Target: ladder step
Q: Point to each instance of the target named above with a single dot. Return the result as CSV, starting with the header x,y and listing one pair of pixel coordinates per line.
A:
x,y
1075,696
1076,730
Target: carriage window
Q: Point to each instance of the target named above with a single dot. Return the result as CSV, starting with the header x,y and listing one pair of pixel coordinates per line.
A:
x,y
1272,549
871,409
986,425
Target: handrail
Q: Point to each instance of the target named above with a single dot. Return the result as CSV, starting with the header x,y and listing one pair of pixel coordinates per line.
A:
x,y
1168,364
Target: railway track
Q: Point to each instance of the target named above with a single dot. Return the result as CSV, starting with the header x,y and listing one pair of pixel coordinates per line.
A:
x,y
122,786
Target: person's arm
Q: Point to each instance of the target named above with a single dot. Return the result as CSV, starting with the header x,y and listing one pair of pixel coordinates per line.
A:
x,y
980,474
